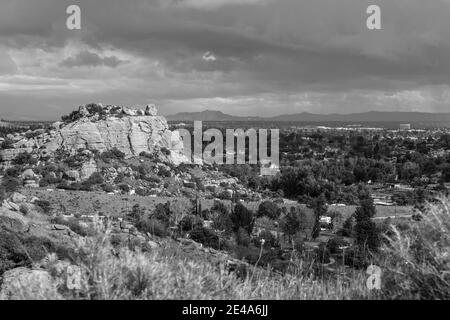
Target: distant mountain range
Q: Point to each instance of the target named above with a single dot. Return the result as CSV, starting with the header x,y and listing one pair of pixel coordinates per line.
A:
x,y
372,116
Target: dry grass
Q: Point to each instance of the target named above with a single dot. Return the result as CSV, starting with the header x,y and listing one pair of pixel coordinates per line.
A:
x,y
415,265
417,261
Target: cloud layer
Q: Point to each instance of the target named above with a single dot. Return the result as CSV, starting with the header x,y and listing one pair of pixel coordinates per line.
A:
x,y
258,57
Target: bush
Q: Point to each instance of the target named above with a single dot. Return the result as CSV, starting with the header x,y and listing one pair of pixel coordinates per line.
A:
x,y
165,151
45,206
49,180
206,237
162,213
222,222
269,209
242,237
17,250
24,158
95,178
108,188
190,222
152,226
268,239
124,188
14,171
333,244
10,184
241,217
113,154
7,144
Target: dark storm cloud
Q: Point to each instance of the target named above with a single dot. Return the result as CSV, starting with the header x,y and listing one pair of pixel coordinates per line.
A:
x,y
260,47
91,59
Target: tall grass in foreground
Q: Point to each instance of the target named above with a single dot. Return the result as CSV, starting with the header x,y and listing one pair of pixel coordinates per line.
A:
x,y
168,273
417,261
415,265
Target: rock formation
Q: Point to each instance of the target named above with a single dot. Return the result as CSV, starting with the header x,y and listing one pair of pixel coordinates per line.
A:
x,y
98,128
131,131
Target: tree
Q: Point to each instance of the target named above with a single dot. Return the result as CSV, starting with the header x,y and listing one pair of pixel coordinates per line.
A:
x,y
292,222
366,231
241,217
269,209
320,209
347,227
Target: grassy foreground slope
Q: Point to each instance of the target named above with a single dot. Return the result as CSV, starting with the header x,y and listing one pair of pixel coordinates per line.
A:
x,y
415,264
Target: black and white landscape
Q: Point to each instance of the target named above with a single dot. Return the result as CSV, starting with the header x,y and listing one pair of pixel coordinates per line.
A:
x,y
224,150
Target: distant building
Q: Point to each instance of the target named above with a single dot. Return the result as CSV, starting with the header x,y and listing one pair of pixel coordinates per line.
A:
x,y
405,126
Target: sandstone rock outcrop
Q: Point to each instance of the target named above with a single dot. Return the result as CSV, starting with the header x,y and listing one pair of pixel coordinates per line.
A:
x,y
128,130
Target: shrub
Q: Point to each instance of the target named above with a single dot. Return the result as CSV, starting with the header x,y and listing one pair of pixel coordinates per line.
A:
x,y
347,227
222,222
241,217
269,209
24,158
152,226
162,212
124,188
137,213
14,171
242,237
113,154
7,144
292,222
108,187
17,250
269,240
190,222
49,180
10,184
333,244
95,178
45,206
205,236
165,151
164,172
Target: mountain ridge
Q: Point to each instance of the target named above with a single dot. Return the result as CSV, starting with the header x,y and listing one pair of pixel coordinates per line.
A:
x,y
369,116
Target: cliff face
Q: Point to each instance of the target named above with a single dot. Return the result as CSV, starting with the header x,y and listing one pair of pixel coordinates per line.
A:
x,y
131,135
94,127
131,131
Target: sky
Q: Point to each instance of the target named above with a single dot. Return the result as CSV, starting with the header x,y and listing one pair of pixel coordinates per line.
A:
x,y
242,57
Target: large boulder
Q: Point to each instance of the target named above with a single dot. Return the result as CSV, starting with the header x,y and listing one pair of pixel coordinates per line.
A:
x,y
18,198
150,110
28,175
130,134
12,220
88,169
9,205
27,284
73,175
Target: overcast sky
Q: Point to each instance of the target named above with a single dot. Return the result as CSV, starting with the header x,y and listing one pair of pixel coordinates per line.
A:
x,y
243,57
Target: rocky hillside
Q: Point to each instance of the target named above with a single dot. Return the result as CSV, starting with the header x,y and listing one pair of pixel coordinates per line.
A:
x,y
97,128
